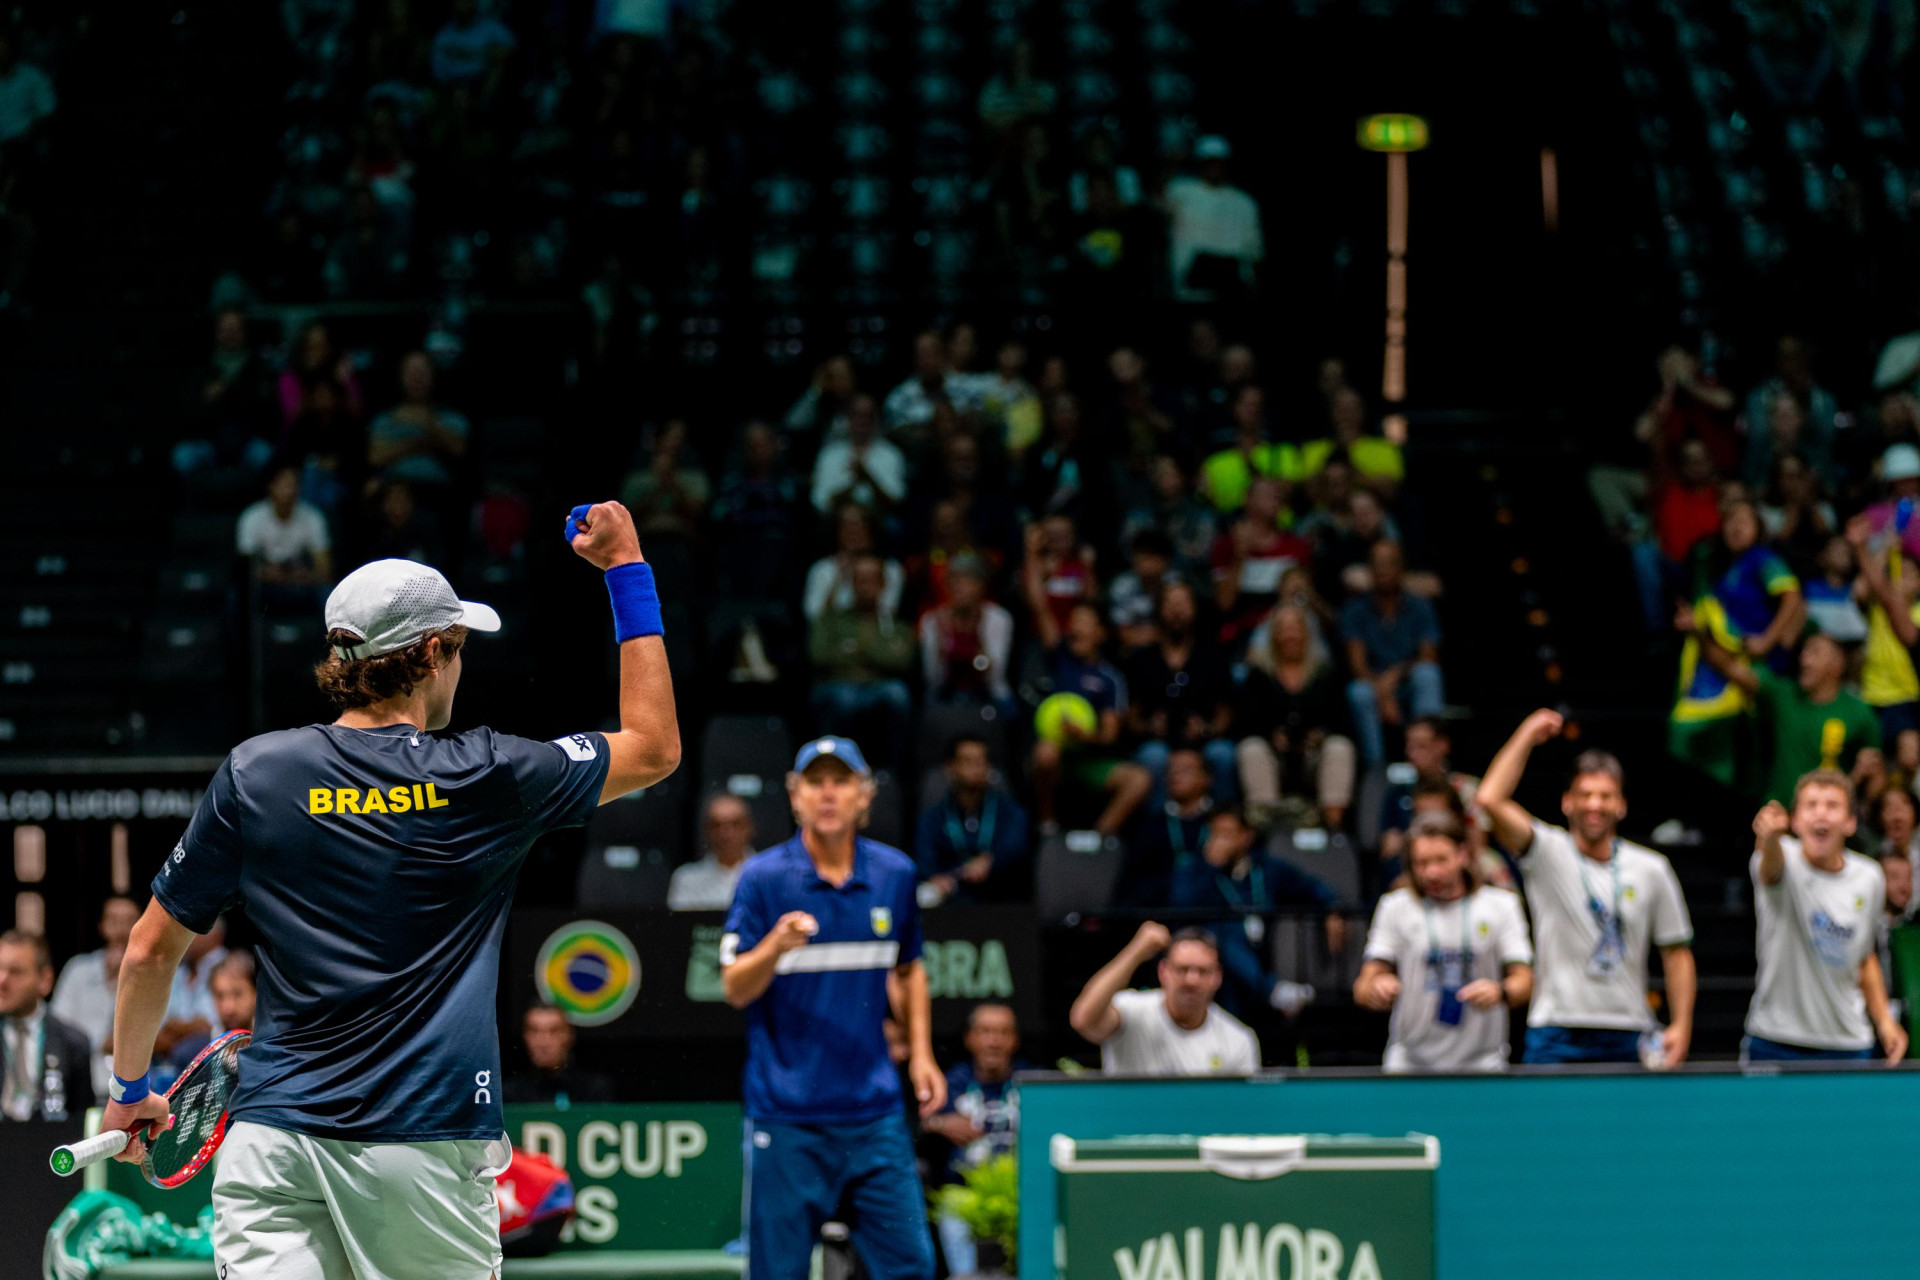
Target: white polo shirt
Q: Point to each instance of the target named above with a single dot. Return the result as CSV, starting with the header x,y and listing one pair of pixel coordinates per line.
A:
x,y
1150,1043
1462,941
1570,895
1815,930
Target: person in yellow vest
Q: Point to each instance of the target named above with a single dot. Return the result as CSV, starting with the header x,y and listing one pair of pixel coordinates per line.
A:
x,y
1377,463
1226,476
1888,680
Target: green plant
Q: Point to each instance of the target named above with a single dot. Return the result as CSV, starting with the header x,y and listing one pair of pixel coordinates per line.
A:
x,y
988,1201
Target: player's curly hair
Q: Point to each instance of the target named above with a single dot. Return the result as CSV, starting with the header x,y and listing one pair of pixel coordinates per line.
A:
x,y
360,682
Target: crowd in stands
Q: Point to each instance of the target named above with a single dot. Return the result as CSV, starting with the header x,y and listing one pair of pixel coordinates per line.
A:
x,y
27,106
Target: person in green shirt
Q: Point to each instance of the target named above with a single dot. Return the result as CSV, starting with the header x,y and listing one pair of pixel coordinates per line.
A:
x,y
1812,723
861,657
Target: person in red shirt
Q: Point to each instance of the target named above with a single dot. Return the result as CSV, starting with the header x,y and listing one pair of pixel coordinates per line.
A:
x,y
1250,557
1685,508
1059,571
1691,405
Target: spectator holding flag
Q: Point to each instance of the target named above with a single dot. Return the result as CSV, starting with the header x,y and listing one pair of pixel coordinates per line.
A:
x,y
1821,994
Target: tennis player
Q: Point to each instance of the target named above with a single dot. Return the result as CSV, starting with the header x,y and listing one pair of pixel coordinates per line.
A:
x,y
377,856
822,927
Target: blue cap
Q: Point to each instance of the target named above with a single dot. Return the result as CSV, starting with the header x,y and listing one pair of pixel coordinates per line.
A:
x,y
841,749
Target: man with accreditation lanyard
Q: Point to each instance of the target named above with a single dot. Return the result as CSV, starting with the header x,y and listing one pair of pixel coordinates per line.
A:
x,y
1820,993
1447,954
1597,902
822,939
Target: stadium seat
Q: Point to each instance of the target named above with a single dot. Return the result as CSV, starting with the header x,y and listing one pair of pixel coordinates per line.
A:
x,y
623,875
1327,857
886,820
653,819
752,744
1300,953
1077,873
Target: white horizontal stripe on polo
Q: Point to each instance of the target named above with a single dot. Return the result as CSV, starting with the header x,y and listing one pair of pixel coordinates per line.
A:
x,y
839,957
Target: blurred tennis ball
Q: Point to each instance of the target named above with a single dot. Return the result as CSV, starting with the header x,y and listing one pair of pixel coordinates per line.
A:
x,y
1051,717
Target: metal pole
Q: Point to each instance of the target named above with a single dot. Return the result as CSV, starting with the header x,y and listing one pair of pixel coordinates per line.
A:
x,y
1393,376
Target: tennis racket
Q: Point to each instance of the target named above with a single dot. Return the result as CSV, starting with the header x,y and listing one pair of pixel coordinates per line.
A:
x,y
198,1101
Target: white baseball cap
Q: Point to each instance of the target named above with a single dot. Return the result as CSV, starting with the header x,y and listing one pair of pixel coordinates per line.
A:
x,y
390,604
1900,462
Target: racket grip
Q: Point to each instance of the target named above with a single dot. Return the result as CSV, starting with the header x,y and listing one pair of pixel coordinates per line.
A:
x,y
76,1156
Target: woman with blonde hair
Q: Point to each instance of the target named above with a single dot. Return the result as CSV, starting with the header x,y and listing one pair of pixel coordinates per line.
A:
x,y
1292,724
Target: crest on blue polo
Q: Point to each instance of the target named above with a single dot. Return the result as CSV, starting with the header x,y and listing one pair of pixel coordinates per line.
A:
x,y
841,749
391,604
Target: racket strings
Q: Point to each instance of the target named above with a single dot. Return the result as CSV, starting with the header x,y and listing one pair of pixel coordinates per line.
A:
x,y
199,1102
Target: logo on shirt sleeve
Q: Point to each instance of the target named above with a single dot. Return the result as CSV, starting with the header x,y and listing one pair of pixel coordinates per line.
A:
x,y
882,918
578,746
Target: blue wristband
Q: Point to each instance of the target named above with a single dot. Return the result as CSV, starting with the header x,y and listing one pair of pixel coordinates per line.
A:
x,y
128,1092
636,605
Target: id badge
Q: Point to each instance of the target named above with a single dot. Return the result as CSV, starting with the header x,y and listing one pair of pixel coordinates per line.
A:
x,y
1602,962
1256,930
1451,1010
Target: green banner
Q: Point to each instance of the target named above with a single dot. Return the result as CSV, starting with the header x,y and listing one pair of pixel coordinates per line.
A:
x,y
645,1175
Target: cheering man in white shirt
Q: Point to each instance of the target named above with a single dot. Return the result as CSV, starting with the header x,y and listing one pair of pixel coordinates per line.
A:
x,y
1175,1031
1820,993
1447,955
1598,901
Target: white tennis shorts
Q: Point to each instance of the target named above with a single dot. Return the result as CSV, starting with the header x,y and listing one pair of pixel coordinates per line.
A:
x,y
291,1207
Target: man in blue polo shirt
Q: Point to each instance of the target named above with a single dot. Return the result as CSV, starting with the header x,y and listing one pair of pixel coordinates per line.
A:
x,y
821,927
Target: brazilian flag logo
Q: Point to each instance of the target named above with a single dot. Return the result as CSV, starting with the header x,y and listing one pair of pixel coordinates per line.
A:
x,y
589,971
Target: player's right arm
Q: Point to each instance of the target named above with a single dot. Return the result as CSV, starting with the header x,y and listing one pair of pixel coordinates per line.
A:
x,y
1093,1014
139,1007
1512,824
745,976
646,748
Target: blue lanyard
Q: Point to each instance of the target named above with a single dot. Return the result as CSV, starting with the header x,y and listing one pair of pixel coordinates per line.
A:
x,y
1466,937
956,831
1257,887
1593,902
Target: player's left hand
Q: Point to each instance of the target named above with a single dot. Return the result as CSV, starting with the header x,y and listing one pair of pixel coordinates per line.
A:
x,y
1893,1040
147,1118
929,1085
1675,1042
1482,993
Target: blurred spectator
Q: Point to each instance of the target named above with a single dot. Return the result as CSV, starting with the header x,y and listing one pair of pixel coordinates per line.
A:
x,y
1023,189
980,497
1175,1031
865,467
234,404
1393,650
1747,602
552,1079
1449,1002
1796,516
1691,405
1242,885
313,363
620,314
418,441
1098,161
1251,557
1788,413
830,580
707,884
966,645
231,984
1216,238
285,536
1897,819
861,656
84,996
1686,512
1180,691
756,519
948,542
1219,388
1174,511
1142,419
1290,720
1059,573
1226,476
1897,915
1344,538
1375,460
1806,724
1171,834
192,1019
471,48
1015,94
820,414
1831,605
45,1073
981,1117
910,404
1428,752
27,100
1113,244
974,841
370,256
1010,401
668,498
1133,598
1077,664
401,531
1888,680
1069,471
1900,473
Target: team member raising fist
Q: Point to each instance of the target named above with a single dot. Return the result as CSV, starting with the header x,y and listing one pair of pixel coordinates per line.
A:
x,y
1820,992
1597,902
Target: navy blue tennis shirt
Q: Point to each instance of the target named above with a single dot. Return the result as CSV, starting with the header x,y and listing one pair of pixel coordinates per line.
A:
x,y
816,1049
378,866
